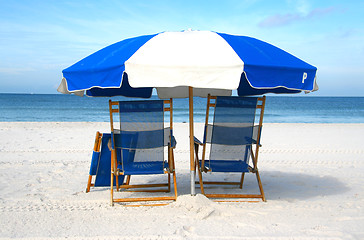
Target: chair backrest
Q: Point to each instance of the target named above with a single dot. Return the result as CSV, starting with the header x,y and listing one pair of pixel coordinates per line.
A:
x,y
233,131
139,130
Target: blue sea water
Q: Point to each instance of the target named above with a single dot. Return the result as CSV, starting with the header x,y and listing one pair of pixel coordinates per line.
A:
x,y
279,109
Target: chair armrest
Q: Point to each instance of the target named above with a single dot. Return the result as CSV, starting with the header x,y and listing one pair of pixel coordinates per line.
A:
x,y
255,142
173,142
197,141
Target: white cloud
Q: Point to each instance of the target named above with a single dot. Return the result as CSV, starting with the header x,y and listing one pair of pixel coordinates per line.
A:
x,y
285,19
16,70
303,7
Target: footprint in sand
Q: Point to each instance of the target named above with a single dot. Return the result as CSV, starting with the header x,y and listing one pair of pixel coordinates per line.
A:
x,y
40,180
189,229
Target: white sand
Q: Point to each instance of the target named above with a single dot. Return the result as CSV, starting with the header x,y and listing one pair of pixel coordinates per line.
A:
x,y
312,174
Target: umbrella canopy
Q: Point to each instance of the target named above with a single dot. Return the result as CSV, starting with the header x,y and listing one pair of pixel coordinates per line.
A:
x,y
187,64
207,61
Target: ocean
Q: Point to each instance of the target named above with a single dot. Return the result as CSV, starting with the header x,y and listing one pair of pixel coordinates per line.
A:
x,y
279,109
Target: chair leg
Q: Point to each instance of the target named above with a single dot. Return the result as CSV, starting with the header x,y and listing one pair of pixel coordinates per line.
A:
x,y
112,179
174,175
112,190
117,183
242,180
169,182
175,185
200,180
128,180
89,183
260,186
96,149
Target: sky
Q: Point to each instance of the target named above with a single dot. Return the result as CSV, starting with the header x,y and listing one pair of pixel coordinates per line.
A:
x,y
38,39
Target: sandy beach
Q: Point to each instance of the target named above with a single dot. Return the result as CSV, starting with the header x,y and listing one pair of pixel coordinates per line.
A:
x,y
312,176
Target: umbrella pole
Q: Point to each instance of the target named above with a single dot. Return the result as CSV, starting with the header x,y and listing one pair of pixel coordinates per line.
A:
x,y
192,161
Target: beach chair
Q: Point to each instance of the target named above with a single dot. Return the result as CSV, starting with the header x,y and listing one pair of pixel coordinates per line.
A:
x,y
100,167
142,138
233,140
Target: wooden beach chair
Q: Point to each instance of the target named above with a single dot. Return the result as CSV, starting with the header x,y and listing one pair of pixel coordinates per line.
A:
x,y
141,138
99,175
233,140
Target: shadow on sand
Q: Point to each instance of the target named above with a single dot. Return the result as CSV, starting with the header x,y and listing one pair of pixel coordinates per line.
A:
x,y
300,186
277,185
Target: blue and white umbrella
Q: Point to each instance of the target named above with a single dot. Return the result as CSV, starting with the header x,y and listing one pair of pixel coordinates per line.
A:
x,y
200,59
187,64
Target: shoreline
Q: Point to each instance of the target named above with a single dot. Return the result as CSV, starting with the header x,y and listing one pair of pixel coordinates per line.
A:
x,y
165,122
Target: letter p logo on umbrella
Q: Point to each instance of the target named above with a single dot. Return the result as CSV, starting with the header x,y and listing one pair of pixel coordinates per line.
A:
x,y
304,77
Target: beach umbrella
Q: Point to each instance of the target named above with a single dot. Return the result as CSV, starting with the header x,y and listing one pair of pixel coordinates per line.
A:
x,y
186,64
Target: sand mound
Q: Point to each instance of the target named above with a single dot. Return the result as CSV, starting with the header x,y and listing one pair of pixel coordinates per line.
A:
x,y
198,205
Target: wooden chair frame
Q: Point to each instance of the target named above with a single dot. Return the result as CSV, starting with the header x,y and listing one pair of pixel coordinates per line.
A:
x,y
168,107
211,102
97,146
